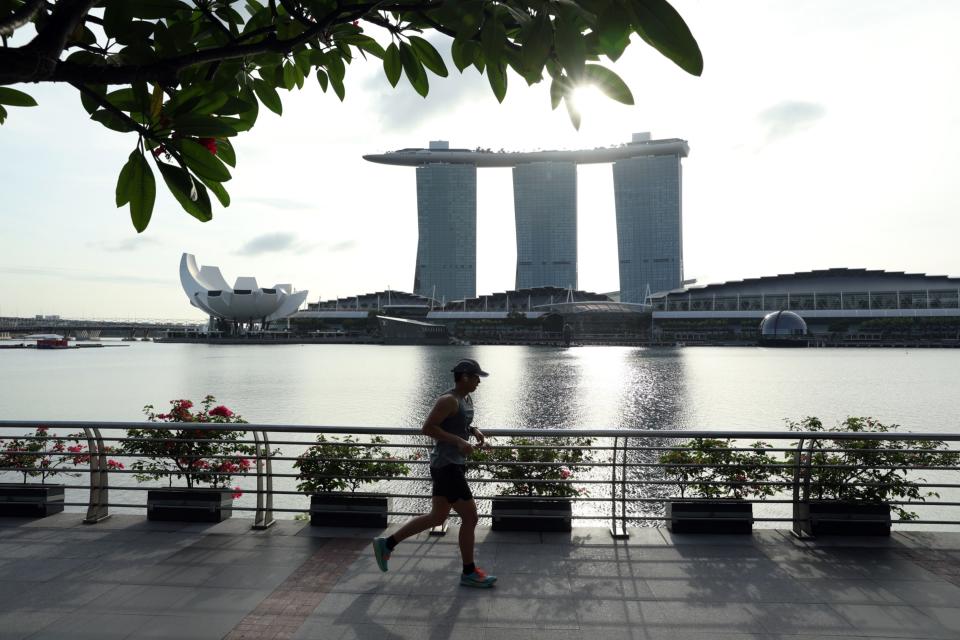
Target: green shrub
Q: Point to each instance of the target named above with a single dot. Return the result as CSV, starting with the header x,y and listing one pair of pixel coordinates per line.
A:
x,y
537,466
335,464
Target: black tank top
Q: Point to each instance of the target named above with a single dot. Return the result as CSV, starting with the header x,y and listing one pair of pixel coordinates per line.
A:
x,y
458,424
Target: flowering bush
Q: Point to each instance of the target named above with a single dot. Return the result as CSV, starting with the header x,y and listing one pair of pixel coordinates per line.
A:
x,y
871,471
536,467
335,464
44,455
201,453
714,470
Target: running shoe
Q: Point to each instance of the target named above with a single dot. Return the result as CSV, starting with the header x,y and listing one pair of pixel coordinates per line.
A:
x,y
381,552
478,579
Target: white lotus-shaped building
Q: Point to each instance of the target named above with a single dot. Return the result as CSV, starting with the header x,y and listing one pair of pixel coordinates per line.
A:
x,y
246,301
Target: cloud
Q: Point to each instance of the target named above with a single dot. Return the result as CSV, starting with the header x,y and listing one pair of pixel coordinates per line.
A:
x,y
789,117
87,276
345,245
269,243
402,108
128,244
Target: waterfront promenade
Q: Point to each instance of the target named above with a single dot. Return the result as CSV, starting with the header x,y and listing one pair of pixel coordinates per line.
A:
x,y
129,578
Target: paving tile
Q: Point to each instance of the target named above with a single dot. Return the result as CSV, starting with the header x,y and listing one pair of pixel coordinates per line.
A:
x,y
186,627
218,600
814,619
735,588
512,612
609,588
850,591
94,626
947,617
19,624
925,593
892,621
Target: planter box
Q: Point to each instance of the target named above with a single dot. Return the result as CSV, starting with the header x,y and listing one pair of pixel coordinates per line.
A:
x,y
349,510
30,500
844,519
189,505
531,514
709,516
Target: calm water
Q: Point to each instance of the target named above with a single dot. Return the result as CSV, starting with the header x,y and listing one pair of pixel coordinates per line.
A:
x,y
600,387
694,387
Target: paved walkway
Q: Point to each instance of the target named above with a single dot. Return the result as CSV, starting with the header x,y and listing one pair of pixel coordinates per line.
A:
x,y
128,578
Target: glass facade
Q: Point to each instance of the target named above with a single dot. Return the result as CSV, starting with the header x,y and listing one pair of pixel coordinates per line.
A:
x,y
447,224
647,193
545,205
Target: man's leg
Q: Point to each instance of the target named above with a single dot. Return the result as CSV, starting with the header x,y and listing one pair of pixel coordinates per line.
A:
x,y
439,510
472,576
382,547
467,510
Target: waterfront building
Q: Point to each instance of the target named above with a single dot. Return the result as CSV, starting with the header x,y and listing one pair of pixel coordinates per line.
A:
x,y
648,193
446,265
545,191
545,206
246,302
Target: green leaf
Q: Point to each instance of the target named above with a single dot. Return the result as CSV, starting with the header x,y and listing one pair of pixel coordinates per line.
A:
x,y
14,98
464,53
142,190
613,31
492,39
428,56
391,64
414,70
608,82
571,48
661,27
558,89
338,88
123,182
202,126
322,79
289,77
202,162
152,9
112,121
3,115
538,42
226,152
268,96
218,190
192,196
496,74
90,105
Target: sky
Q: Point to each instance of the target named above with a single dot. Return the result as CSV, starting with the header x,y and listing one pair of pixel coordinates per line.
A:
x,y
822,134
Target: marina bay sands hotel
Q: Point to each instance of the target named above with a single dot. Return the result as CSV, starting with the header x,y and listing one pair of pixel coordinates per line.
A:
x,y
648,196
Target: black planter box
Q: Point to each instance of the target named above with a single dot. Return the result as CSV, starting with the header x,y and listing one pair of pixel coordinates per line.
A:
x,y
829,518
709,516
349,510
531,514
30,500
189,505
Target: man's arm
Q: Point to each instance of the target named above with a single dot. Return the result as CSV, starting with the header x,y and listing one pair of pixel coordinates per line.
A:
x,y
445,407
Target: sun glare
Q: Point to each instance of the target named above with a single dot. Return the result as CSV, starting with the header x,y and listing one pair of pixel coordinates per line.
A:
x,y
589,100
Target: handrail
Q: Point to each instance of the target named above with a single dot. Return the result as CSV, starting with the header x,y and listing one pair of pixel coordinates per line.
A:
x,y
629,455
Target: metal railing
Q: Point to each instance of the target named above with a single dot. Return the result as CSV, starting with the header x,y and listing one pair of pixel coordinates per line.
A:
x,y
623,481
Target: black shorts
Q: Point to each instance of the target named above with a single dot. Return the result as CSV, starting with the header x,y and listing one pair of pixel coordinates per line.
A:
x,y
450,482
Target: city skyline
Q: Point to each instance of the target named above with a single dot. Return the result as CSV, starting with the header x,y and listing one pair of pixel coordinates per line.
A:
x,y
790,168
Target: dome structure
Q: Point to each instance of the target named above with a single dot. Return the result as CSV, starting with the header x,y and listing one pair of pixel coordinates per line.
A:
x,y
783,328
246,301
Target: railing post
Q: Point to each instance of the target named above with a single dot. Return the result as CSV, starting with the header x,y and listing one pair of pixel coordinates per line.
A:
x,y
801,467
97,509
617,530
264,514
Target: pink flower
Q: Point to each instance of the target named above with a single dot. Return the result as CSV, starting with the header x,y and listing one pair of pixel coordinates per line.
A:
x,y
565,473
221,411
237,492
114,464
76,448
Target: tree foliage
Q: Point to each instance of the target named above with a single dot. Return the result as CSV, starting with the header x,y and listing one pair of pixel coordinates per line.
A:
x,y
185,77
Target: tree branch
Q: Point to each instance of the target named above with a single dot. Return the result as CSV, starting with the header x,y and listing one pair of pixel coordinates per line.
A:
x,y
106,104
52,38
20,17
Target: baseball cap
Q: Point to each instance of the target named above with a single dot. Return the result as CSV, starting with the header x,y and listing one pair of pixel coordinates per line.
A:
x,y
469,366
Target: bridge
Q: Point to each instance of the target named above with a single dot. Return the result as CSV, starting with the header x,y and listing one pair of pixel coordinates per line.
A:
x,y
95,327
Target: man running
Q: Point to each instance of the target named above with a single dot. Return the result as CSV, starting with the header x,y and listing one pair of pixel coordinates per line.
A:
x,y
449,424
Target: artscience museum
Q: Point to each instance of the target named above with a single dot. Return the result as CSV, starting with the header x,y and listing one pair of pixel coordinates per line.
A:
x,y
245,303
